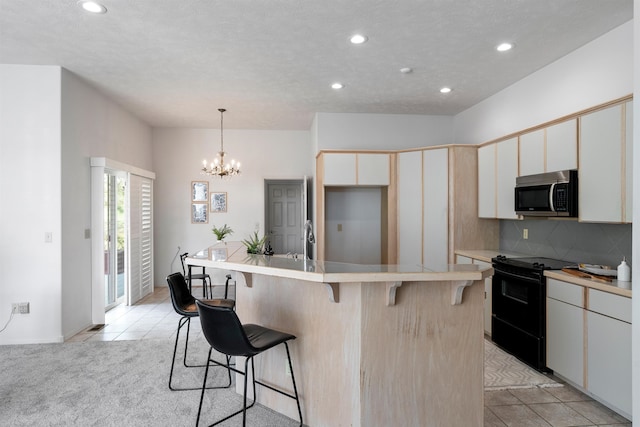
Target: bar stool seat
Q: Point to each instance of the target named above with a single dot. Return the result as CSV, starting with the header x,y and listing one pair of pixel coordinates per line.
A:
x,y
224,332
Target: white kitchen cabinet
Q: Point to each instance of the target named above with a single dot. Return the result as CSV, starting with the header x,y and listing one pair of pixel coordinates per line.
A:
x,y
463,260
487,181
609,360
506,173
565,330
532,153
339,168
628,183
373,169
356,169
562,146
603,175
435,253
409,173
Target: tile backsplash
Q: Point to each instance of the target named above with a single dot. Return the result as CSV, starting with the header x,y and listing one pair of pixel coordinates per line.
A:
x,y
569,240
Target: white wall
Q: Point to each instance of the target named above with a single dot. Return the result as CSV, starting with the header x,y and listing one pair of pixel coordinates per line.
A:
x,y
598,72
92,126
381,131
30,202
177,158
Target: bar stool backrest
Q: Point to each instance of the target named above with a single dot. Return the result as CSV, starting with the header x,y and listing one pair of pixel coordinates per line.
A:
x,y
180,295
224,332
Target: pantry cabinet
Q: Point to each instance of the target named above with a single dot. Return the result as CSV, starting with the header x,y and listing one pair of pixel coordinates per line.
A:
x,y
437,206
605,173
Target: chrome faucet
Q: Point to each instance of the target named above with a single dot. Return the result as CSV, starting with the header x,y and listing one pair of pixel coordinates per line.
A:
x,y
308,238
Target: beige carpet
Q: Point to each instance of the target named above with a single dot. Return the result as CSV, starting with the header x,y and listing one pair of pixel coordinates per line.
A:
x,y
503,371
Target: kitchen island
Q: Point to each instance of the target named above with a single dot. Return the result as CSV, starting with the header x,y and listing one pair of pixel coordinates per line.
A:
x,y
377,345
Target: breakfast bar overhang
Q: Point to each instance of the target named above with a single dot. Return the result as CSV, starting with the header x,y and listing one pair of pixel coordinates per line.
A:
x,y
377,345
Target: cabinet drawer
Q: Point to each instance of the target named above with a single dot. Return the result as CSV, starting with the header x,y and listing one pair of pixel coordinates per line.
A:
x,y
565,292
611,305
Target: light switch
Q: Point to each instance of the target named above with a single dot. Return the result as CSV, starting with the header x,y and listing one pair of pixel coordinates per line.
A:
x,y
48,237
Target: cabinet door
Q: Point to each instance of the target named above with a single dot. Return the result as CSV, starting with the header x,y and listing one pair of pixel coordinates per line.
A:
x,y
628,162
565,340
506,173
487,298
600,176
409,187
487,181
532,153
339,168
562,146
436,207
609,360
373,169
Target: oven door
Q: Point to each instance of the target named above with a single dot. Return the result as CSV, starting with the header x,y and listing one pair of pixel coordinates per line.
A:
x,y
518,321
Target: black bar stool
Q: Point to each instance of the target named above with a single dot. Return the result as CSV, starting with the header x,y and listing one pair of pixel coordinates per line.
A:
x,y
185,305
224,332
190,277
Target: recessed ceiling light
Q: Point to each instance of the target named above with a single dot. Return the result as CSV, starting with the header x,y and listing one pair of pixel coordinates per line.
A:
x,y
358,39
503,47
337,86
445,90
406,70
93,7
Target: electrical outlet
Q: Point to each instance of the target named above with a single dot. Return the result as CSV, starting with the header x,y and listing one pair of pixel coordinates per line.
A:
x,y
525,233
20,307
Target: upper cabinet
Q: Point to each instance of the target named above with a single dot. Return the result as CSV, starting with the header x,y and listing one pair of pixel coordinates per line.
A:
x,y
596,142
497,172
506,173
487,181
605,173
561,146
550,149
356,169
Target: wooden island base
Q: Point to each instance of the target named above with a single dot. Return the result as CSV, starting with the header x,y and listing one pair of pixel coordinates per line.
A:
x,y
385,353
359,362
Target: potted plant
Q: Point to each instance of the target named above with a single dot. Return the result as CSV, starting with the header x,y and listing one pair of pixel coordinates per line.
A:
x,y
254,243
222,232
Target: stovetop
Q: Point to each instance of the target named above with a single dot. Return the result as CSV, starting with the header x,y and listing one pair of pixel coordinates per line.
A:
x,y
533,263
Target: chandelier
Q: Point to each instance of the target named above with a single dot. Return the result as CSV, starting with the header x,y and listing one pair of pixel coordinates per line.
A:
x,y
218,167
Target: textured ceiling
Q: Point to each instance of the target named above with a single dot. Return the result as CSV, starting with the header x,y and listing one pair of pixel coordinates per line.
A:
x,y
270,63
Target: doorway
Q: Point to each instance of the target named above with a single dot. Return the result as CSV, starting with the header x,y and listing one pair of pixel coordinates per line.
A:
x,y
114,238
286,210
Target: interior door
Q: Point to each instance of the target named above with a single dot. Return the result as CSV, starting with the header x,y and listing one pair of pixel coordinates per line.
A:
x,y
285,215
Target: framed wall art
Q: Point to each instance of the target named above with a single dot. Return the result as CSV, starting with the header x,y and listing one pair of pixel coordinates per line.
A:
x,y
219,202
199,191
199,214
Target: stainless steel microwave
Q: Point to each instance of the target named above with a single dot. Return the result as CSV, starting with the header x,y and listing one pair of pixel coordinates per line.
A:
x,y
547,194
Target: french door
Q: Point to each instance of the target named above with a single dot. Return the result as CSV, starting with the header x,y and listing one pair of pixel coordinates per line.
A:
x,y
115,238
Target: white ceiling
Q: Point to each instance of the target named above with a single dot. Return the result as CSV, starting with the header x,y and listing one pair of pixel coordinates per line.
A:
x,y
270,63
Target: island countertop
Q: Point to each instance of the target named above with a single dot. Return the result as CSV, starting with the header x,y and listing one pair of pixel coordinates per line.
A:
x,y
233,256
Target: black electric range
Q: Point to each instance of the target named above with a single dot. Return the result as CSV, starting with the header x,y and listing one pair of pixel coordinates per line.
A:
x,y
518,315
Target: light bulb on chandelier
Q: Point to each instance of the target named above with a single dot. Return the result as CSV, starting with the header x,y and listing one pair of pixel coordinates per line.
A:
x,y
218,167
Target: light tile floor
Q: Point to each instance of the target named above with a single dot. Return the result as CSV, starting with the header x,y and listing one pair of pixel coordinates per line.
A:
x,y
154,317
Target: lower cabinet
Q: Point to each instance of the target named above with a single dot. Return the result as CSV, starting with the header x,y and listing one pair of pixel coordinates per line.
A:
x,y
565,340
609,359
589,341
487,290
